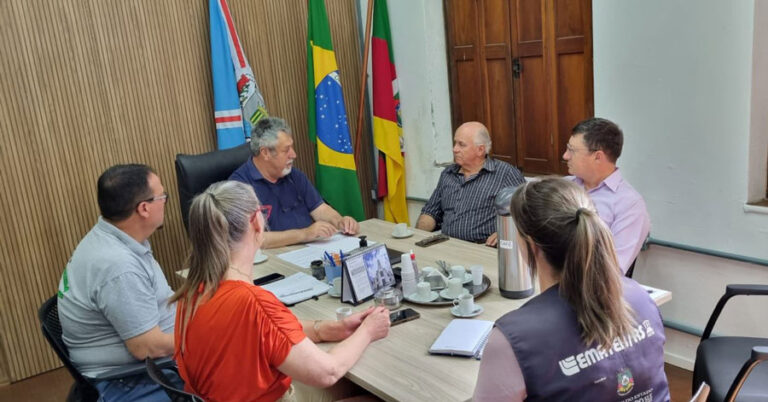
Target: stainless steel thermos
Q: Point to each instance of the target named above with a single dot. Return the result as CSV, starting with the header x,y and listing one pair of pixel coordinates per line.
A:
x,y
514,274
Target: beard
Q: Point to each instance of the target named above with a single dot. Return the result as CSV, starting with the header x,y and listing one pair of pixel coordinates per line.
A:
x,y
286,171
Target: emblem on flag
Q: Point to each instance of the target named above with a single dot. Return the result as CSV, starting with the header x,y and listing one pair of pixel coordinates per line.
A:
x,y
235,92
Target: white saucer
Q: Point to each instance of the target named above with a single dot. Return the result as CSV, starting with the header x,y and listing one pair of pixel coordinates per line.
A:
x,y
259,258
444,293
467,278
478,310
334,293
404,235
415,297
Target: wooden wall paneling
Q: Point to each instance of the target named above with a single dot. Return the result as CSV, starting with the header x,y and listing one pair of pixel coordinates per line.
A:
x,y
88,84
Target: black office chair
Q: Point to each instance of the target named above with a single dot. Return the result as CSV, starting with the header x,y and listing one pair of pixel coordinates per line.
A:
x,y
194,173
82,389
176,395
729,364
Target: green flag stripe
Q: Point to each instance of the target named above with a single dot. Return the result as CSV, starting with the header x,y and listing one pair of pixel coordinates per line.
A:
x,y
319,31
381,25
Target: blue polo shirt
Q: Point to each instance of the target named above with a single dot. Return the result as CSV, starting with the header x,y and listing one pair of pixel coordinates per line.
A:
x,y
292,197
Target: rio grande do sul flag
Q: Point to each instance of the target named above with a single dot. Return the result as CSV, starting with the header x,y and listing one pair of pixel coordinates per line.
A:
x,y
387,131
235,92
335,170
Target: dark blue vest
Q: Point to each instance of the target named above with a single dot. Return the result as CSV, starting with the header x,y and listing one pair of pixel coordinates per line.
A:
x,y
557,366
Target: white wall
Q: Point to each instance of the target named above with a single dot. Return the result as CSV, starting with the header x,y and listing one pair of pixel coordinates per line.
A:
x,y
677,77
418,39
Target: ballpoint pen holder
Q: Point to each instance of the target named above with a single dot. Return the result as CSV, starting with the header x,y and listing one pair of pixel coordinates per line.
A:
x,y
331,271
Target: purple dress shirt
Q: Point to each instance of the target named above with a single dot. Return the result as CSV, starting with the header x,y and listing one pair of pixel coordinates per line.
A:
x,y
622,208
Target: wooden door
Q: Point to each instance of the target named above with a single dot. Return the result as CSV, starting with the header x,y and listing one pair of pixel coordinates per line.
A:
x,y
524,68
480,63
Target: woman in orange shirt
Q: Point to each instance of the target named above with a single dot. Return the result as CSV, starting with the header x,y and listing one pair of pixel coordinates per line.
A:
x,y
237,342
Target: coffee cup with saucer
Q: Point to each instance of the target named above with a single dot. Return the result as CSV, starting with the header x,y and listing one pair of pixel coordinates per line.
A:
x,y
464,306
453,289
458,271
259,257
401,231
424,293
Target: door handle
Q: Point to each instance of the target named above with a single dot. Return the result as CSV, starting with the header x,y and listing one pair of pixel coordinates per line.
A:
x,y
517,68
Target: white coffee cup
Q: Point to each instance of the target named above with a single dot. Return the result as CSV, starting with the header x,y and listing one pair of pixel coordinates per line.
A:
x,y
423,290
336,285
477,274
343,312
454,287
427,271
401,229
458,271
466,303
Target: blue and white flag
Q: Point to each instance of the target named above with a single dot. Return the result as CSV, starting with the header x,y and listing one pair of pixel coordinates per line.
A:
x,y
235,92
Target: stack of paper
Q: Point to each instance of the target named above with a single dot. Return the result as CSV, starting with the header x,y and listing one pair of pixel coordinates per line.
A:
x,y
314,251
296,288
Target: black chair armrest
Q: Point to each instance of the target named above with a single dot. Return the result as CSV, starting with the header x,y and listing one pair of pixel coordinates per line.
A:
x,y
759,354
132,369
747,290
730,291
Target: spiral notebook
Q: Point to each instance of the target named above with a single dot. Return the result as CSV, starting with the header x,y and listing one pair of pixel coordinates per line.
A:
x,y
463,338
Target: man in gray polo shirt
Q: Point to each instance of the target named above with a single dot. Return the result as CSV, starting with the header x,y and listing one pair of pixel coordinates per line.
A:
x,y
113,295
462,203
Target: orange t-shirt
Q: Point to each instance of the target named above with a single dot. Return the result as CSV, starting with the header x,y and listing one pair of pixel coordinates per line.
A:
x,y
234,343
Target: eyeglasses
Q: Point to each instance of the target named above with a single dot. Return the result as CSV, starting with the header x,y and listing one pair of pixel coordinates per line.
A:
x,y
265,210
163,196
572,150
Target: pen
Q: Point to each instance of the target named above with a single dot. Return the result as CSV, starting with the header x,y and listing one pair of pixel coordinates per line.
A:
x,y
333,264
295,293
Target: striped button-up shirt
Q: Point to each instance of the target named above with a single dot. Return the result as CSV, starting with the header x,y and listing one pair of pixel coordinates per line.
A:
x,y
463,208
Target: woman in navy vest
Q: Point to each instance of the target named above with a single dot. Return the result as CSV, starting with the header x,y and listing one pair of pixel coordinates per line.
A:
x,y
591,334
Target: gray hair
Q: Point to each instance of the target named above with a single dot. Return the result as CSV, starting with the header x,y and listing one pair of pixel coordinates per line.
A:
x,y
264,133
482,137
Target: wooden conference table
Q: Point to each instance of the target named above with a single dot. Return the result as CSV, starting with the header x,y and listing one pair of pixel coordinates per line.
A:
x,y
399,368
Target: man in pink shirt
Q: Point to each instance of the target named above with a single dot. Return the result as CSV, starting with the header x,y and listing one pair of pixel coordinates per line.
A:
x,y
591,153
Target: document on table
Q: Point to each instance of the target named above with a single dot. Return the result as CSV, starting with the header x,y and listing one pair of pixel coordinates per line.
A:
x,y
314,251
339,242
296,288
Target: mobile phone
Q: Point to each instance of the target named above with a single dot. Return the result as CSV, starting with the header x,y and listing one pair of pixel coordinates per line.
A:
x,y
268,279
404,315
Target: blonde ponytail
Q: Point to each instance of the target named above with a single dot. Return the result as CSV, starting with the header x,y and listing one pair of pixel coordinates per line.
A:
x,y
218,219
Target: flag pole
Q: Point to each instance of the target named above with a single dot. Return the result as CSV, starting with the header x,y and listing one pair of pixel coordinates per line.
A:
x,y
363,81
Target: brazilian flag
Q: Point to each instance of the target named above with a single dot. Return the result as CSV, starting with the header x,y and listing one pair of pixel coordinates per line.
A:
x,y
335,171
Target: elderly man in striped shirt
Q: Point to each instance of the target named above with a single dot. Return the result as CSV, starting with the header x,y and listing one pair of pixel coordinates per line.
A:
x,y
462,203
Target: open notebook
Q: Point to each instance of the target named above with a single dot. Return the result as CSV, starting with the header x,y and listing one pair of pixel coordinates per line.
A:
x,y
463,338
